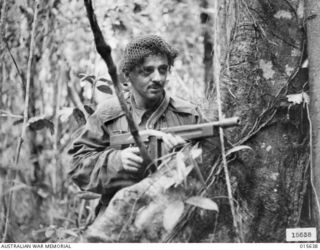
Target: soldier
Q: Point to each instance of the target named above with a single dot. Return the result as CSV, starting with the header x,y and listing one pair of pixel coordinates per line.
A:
x,y
97,167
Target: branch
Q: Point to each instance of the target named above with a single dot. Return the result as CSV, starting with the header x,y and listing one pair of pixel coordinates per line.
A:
x,y
2,38
25,120
105,52
16,65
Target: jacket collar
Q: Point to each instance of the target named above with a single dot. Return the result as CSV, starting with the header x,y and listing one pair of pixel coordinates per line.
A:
x,y
111,109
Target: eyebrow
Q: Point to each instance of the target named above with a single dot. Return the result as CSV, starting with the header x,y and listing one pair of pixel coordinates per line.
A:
x,y
149,66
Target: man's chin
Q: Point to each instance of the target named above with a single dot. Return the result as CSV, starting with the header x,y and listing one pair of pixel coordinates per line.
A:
x,y
155,93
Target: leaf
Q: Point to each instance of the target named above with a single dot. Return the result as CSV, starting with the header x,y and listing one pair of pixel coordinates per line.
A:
x,y
181,169
104,80
79,116
172,214
88,195
237,148
43,193
88,78
38,123
65,113
50,231
203,202
145,215
196,152
105,89
299,98
16,122
60,233
70,232
89,110
305,64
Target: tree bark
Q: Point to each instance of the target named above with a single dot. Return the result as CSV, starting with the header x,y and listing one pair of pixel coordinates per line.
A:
x,y
2,46
312,16
264,54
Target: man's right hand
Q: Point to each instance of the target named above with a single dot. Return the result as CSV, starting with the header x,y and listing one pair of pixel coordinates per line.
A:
x,y
131,159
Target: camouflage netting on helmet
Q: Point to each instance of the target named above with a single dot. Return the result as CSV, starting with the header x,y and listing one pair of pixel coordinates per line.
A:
x,y
144,46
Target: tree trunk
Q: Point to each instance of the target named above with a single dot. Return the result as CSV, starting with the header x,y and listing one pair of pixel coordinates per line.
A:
x,y
261,69
313,34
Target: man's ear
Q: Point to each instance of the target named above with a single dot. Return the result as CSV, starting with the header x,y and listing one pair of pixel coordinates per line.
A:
x,y
127,84
127,76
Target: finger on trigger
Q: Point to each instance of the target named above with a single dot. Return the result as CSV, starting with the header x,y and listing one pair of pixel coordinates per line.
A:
x,y
131,169
135,158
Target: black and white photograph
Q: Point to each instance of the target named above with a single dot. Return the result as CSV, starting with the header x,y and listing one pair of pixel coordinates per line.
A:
x,y
148,121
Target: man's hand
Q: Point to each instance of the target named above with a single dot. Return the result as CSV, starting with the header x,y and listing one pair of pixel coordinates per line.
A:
x,y
131,159
170,141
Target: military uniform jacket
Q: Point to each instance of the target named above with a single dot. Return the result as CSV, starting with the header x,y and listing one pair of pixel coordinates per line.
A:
x,y
97,167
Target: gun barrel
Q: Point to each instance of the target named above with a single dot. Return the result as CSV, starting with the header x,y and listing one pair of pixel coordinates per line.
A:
x,y
227,122
201,130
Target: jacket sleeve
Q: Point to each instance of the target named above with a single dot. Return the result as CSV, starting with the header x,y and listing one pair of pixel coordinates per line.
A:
x,y
95,166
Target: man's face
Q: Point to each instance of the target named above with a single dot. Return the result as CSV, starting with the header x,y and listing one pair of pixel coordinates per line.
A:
x,y
148,79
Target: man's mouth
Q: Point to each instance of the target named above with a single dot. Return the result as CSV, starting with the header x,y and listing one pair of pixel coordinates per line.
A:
x,y
156,87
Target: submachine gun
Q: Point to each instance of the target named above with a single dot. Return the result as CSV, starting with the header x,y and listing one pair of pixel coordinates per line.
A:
x,y
187,132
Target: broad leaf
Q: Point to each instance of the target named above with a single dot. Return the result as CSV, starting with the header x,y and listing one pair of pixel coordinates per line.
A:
x,y
89,110
105,89
105,80
43,193
203,202
38,123
16,122
88,78
181,169
79,116
145,215
65,113
50,232
196,152
70,232
172,214
60,233
299,98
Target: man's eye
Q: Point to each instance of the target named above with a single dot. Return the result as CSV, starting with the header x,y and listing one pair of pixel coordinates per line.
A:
x,y
148,70
163,69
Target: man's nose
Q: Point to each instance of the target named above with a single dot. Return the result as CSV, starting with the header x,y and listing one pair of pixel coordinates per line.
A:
x,y
156,77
